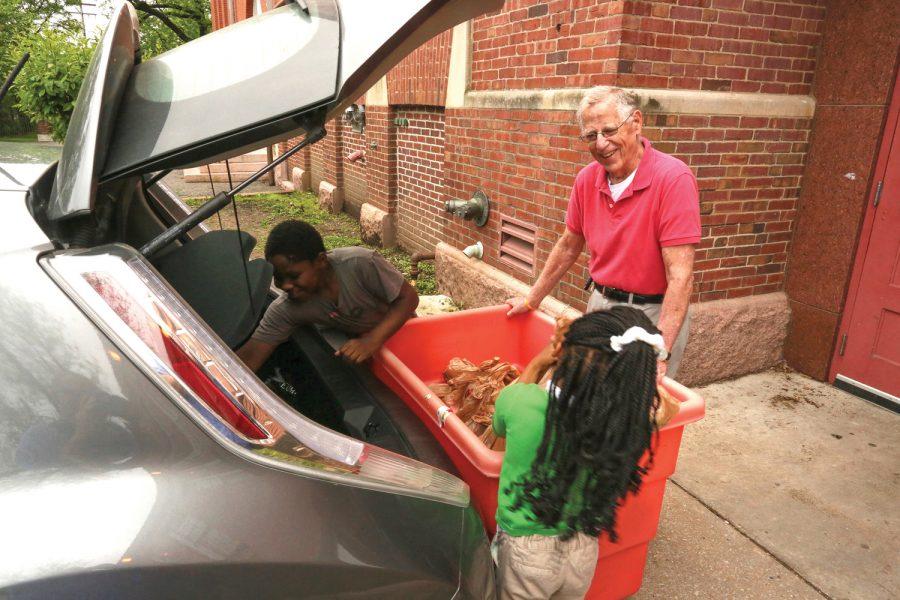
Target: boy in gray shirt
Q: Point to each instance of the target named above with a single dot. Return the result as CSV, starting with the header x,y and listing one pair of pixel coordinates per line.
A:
x,y
352,289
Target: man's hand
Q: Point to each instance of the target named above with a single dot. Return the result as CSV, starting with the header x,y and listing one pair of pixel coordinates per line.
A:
x,y
564,254
359,349
517,306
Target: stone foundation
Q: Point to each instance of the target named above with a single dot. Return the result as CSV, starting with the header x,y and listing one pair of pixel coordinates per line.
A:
x,y
300,179
734,337
281,173
728,338
472,283
331,198
376,226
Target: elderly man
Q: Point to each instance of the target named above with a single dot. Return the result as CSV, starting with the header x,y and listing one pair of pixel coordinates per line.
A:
x,y
638,210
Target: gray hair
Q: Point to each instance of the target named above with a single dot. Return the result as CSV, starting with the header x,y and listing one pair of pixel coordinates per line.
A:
x,y
625,101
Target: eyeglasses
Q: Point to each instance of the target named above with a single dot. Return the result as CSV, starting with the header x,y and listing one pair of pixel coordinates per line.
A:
x,y
590,138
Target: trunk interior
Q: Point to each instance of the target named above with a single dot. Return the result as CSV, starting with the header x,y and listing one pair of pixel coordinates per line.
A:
x,y
212,272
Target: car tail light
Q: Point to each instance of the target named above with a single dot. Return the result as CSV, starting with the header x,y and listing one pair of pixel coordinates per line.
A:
x,y
132,304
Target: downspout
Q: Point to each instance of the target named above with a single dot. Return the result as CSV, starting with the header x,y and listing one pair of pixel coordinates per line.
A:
x,y
414,264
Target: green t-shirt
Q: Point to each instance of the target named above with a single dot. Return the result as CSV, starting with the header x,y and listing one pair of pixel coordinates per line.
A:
x,y
519,415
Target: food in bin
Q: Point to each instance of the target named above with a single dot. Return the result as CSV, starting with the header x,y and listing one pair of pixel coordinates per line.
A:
x,y
471,390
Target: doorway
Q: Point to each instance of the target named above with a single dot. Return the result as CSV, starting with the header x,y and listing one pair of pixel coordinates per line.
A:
x,y
867,359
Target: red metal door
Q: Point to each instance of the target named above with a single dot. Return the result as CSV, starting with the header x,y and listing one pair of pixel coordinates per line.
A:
x,y
870,352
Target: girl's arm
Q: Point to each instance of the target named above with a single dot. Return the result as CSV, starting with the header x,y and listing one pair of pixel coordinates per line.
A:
x,y
547,357
539,365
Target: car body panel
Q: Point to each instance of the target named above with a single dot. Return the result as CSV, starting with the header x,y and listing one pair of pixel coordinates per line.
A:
x,y
19,230
19,176
204,99
106,483
99,471
91,125
22,163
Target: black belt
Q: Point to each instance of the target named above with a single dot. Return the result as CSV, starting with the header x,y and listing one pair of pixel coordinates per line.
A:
x,y
622,295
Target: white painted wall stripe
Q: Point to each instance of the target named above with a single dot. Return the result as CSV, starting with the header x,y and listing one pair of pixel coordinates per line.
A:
x,y
684,102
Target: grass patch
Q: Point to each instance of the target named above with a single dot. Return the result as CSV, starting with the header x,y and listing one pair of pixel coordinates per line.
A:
x,y
25,137
259,213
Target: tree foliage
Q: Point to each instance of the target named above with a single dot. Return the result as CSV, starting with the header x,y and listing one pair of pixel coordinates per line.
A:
x,y
49,82
21,19
60,50
167,24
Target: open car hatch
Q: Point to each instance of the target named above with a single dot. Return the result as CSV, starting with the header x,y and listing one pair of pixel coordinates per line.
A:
x,y
262,80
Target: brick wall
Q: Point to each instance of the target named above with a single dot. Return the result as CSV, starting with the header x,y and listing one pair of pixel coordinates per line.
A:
x,y
299,159
420,177
325,160
381,158
218,13
225,12
748,171
724,45
316,165
526,162
421,78
355,189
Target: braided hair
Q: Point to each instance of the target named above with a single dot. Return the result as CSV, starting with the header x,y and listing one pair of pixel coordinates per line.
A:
x,y
600,422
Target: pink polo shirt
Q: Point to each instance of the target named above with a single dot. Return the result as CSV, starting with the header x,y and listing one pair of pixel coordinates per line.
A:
x,y
660,208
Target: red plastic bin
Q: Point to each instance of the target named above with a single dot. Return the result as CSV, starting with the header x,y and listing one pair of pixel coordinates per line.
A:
x,y
417,355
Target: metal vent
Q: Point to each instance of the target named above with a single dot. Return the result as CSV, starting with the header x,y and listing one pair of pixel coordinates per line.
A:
x,y
517,241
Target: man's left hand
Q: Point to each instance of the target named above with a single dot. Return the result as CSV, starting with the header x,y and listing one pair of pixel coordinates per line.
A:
x,y
359,349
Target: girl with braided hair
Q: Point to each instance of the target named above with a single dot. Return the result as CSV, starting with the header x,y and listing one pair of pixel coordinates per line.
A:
x,y
573,449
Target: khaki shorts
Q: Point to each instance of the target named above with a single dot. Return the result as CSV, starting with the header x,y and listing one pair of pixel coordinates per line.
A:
x,y
530,567
598,302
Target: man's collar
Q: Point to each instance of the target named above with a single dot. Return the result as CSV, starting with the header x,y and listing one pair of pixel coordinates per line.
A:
x,y
644,174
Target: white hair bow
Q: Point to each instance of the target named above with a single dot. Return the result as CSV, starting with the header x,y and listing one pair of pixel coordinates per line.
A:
x,y
639,334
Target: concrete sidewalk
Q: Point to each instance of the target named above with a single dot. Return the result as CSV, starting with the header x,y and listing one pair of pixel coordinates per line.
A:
x,y
175,182
789,488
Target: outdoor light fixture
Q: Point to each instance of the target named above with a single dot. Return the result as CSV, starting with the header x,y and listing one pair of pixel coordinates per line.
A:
x,y
355,116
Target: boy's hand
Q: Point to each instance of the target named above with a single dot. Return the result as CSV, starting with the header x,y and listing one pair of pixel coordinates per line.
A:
x,y
359,349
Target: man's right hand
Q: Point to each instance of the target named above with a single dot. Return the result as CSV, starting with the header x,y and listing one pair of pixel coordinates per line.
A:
x,y
517,306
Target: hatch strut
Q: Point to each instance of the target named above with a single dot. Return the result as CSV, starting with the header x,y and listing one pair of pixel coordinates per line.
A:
x,y
237,225
153,180
12,76
220,200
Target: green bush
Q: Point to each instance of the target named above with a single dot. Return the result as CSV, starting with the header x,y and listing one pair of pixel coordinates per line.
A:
x,y
12,121
48,84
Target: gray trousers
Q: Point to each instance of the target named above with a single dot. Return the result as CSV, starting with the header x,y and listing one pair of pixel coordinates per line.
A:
x,y
535,567
598,302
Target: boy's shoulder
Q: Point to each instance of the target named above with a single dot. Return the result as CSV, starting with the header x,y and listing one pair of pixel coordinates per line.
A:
x,y
350,254
353,260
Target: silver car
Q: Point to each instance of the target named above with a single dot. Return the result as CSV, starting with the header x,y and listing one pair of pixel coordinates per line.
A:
x,y
138,456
